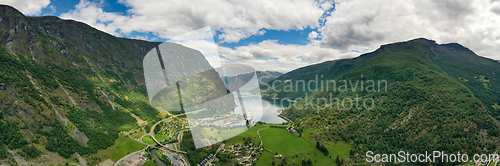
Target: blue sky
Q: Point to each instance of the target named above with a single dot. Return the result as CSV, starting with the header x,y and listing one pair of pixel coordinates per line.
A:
x,y
298,37
292,35
288,34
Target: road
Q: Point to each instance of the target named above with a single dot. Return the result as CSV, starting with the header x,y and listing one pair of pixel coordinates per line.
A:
x,y
127,156
261,140
151,134
259,136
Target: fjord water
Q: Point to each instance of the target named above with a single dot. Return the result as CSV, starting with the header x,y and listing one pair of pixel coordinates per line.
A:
x,y
254,103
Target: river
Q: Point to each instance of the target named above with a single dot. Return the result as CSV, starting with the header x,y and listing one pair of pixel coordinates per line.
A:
x,y
158,162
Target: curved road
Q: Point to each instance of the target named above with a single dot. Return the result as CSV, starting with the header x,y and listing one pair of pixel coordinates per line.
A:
x,y
123,158
151,134
259,136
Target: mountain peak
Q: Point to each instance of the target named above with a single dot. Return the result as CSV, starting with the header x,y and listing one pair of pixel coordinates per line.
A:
x,y
427,44
6,10
456,46
422,40
414,43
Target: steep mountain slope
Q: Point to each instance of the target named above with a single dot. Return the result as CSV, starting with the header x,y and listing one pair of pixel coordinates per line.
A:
x,y
323,71
481,75
69,87
421,107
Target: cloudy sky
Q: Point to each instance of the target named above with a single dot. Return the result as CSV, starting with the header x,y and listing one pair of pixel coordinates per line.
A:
x,y
282,35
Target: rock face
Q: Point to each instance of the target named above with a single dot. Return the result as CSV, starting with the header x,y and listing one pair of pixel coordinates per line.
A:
x,y
65,43
32,35
67,76
73,88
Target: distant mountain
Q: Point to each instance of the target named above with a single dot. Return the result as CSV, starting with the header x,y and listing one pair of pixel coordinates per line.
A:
x,y
263,76
67,88
269,75
439,97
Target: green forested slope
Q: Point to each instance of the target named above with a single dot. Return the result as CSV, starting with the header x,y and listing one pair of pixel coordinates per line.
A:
x,y
423,109
62,77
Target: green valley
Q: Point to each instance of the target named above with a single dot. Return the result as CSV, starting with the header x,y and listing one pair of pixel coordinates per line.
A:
x,y
71,94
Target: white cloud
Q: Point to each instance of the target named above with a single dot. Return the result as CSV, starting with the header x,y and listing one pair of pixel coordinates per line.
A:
x,y
27,7
235,19
360,24
52,9
270,55
203,41
144,37
91,13
312,36
353,25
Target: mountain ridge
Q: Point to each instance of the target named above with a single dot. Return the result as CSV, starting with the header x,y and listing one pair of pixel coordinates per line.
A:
x,y
63,76
434,91
66,81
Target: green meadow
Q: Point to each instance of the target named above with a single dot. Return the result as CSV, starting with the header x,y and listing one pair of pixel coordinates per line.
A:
x,y
161,137
292,146
251,132
148,140
149,163
137,135
122,147
266,158
214,133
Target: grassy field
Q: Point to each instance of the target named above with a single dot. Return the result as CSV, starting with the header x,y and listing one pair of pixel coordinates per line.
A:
x,y
251,132
211,132
148,140
149,163
123,146
308,148
137,135
161,137
281,141
266,158
292,146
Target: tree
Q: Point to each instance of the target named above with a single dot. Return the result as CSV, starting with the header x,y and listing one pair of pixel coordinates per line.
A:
x,y
322,148
30,151
244,151
307,162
